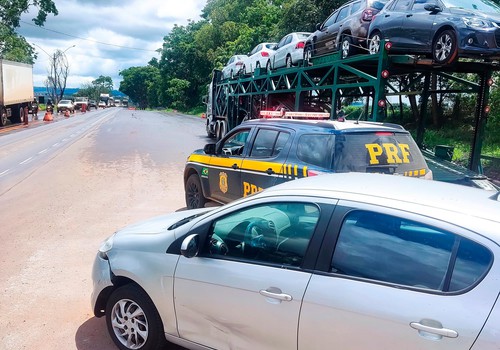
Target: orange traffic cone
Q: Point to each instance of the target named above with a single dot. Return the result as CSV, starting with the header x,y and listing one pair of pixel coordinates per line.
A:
x,y
48,117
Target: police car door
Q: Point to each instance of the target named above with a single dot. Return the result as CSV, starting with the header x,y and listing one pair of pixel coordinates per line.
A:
x,y
263,166
225,166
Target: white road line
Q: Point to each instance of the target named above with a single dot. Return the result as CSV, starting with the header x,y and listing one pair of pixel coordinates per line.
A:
x,y
64,140
4,172
56,144
43,151
26,161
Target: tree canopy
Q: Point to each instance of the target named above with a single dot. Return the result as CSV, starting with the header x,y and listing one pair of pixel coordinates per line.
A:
x,y
12,45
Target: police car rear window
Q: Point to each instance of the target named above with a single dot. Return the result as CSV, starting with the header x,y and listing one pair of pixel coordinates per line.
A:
x,y
377,152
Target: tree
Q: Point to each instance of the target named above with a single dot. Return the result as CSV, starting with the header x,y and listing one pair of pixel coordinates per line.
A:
x,y
12,45
93,90
58,75
141,85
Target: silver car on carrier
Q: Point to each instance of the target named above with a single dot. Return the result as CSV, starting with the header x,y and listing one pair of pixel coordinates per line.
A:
x,y
340,261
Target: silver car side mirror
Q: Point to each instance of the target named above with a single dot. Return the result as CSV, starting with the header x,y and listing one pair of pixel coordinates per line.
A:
x,y
190,246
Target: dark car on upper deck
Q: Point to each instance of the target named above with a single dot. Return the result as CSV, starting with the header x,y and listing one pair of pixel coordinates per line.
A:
x,y
442,29
261,153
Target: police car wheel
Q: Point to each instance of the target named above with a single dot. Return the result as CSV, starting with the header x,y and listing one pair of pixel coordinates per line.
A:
x,y
194,193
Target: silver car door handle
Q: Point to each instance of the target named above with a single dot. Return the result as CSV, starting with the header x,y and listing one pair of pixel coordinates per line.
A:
x,y
449,333
280,296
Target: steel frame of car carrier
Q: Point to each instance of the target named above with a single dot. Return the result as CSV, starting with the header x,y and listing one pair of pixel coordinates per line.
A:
x,y
323,82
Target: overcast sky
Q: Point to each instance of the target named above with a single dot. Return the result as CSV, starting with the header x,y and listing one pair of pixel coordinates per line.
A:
x,y
109,35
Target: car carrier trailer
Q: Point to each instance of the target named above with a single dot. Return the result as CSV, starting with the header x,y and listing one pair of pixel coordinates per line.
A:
x,y
321,84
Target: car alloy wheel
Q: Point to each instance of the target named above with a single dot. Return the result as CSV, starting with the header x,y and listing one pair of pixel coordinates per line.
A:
x,y
374,43
444,48
194,193
133,321
346,46
307,55
288,62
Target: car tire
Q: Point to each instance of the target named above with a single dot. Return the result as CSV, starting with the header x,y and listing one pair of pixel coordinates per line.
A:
x,y
307,55
374,42
231,74
268,66
194,193
445,48
257,65
133,321
346,47
288,62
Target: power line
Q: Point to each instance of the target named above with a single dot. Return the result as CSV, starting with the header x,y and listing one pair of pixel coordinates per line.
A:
x,y
86,39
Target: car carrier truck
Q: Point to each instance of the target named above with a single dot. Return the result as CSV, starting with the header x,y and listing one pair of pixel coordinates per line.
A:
x,y
323,84
16,91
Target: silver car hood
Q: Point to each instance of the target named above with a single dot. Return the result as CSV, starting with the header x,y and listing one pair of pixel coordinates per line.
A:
x,y
158,224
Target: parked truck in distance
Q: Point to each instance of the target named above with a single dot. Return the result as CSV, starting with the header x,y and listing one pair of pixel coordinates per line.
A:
x,y
16,91
79,101
103,100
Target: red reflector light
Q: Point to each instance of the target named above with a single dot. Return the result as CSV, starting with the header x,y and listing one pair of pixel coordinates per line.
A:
x,y
313,173
381,103
300,45
264,54
239,63
384,133
385,74
388,45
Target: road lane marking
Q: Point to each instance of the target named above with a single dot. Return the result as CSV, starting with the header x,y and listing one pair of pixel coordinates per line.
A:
x,y
56,144
26,161
43,151
4,172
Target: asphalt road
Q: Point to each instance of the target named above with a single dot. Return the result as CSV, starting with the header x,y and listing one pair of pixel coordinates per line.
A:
x,y
64,187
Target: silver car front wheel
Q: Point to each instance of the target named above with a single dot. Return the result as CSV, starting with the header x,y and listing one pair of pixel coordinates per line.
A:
x,y
133,321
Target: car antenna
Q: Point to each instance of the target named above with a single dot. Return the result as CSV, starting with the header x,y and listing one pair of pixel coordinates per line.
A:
x,y
360,115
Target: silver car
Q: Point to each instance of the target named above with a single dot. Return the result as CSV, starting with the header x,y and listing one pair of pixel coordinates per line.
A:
x,y
289,51
340,261
65,105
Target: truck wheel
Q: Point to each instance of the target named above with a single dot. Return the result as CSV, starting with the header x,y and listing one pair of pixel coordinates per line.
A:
x,y
20,116
222,130
209,132
194,193
3,116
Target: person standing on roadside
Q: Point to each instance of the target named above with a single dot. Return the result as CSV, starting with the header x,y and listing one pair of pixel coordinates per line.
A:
x,y
34,109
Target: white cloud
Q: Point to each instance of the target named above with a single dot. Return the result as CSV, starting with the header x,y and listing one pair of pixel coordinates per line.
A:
x,y
108,36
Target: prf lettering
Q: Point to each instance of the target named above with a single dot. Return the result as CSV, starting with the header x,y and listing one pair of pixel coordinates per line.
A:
x,y
249,188
391,152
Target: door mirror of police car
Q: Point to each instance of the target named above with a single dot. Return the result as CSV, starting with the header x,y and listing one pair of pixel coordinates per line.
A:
x,y
209,148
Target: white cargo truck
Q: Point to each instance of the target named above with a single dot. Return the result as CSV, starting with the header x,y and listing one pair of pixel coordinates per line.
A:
x,y
16,91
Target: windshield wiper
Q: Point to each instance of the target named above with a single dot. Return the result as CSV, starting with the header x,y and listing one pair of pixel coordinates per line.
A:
x,y
184,221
